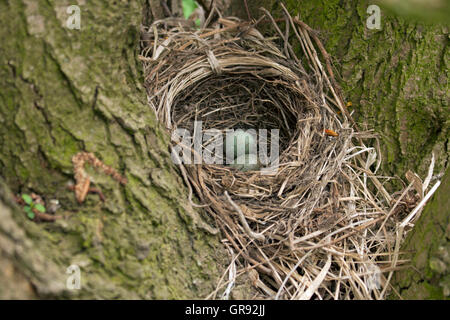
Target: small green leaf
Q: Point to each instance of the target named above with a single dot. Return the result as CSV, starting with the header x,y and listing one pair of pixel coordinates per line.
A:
x,y
27,198
188,7
39,207
29,212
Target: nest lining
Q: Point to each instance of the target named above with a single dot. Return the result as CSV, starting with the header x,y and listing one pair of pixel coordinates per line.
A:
x,y
320,226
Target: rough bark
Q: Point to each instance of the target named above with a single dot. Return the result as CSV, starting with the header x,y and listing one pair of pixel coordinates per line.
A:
x,y
63,91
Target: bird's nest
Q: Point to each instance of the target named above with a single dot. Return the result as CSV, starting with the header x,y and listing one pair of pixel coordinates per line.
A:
x,y
320,224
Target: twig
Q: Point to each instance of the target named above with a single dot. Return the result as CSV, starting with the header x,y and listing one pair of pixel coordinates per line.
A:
x,y
251,234
82,179
420,205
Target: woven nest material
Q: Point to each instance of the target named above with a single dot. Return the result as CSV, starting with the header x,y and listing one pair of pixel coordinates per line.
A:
x,y
320,226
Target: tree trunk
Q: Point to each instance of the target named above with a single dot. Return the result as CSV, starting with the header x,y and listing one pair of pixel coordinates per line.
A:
x,y
66,90
63,91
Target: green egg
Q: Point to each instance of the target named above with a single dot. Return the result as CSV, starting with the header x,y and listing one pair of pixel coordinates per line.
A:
x,y
241,138
246,162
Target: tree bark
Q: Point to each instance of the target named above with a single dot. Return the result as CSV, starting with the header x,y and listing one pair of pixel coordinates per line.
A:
x,y
63,91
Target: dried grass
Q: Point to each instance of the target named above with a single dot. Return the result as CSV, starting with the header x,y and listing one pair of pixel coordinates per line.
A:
x,y
322,226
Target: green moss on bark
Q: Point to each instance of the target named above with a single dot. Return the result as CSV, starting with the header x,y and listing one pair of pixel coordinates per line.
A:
x,y
63,91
